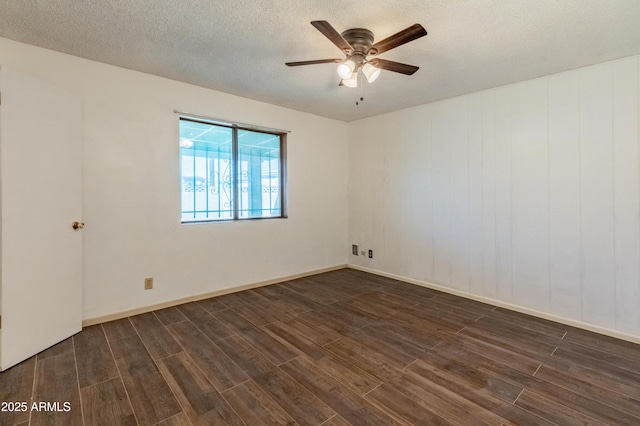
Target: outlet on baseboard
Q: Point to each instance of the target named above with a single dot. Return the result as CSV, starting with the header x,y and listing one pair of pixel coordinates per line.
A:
x,y
148,283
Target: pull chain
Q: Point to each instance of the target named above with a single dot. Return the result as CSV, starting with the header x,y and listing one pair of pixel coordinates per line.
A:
x,y
360,84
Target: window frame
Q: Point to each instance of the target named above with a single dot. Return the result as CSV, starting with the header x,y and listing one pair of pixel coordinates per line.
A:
x,y
235,127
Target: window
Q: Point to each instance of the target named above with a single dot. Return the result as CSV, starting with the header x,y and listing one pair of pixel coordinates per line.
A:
x,y
229,172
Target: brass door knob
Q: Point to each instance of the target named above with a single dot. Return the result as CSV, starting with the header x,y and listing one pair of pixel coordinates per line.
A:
x,y
77,225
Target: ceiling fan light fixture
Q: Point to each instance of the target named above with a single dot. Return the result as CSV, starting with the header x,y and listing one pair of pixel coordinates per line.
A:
x,y
371,72
351,81
357,44
345,69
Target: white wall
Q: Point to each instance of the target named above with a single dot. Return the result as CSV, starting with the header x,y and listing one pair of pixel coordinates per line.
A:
x,y
131,188
526,194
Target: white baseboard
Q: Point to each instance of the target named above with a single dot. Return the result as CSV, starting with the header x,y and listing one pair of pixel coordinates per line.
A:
x,y
544,315
149,308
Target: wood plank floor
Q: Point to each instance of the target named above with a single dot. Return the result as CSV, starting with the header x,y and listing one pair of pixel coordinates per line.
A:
x,y
339,348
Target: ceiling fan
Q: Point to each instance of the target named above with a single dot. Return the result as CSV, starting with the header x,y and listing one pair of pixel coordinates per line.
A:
x,y
357,44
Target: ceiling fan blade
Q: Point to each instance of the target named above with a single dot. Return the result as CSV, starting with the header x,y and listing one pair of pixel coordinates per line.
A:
x,y
405,36
314,62
329,32
394,66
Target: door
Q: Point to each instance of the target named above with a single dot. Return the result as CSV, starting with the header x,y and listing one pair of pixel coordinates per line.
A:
x,y
40,198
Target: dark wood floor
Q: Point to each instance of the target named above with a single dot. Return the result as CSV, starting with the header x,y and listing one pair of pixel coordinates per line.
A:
x,y
339,348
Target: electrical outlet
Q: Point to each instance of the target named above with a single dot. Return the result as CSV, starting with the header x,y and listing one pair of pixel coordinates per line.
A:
x,y
370,254
354,249
364,253
148,283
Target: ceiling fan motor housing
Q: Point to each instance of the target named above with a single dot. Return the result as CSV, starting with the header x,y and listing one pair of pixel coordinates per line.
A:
x,y
361,40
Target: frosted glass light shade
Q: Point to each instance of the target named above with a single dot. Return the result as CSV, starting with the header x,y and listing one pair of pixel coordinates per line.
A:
x,y
345,69
370,72
351,81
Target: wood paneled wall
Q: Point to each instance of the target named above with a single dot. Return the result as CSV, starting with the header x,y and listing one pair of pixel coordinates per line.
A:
x,y
526,194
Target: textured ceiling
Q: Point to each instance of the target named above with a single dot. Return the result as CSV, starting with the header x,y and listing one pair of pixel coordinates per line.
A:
x,y
240,46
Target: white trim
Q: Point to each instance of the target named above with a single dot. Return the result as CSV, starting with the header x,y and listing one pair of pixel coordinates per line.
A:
x,y
544,315
149,308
